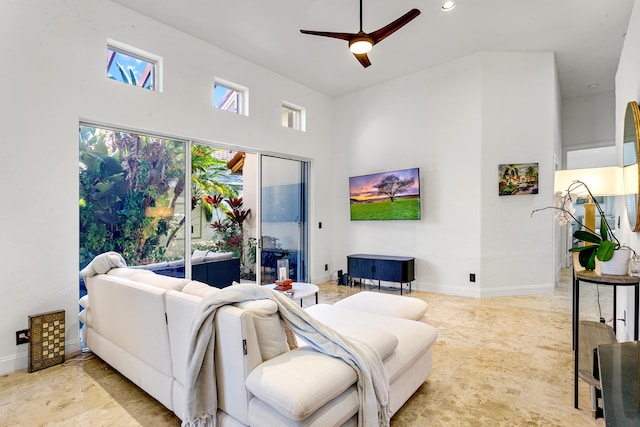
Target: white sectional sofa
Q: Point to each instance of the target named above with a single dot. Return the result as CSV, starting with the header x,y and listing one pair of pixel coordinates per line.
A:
x,y
139,323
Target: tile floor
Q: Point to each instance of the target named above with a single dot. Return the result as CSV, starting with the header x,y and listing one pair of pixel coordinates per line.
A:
x,y
497,362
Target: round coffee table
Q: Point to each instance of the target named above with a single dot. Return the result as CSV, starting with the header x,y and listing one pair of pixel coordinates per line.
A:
x,y
301,290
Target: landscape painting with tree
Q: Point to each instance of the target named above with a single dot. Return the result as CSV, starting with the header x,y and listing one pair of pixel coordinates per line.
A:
x,y
385,196
517,179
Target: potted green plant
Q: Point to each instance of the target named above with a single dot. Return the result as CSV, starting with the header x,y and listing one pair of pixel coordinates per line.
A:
x,y
602,245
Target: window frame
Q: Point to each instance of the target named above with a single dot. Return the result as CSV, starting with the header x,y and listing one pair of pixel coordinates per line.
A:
x,y
299,119
242,97
134,52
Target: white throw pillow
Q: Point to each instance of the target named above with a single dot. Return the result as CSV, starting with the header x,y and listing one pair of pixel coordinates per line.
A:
x,y
271,337
269,329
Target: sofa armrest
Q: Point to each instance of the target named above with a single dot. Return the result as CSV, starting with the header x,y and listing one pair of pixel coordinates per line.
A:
x,y
299,382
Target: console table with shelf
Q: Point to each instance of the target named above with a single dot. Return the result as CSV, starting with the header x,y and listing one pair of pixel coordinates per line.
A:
x,y
398,269
587,276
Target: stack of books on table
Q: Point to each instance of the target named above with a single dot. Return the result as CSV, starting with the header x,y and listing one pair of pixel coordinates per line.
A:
x,y
284,285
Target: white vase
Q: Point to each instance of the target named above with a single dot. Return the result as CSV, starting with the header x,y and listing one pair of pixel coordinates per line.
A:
x,y
618,265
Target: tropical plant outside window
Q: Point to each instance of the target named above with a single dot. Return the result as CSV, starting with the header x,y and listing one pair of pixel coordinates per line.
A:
x,y
217,192
131,196
131,69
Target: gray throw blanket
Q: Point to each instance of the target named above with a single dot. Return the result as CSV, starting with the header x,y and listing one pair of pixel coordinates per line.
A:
x,y
103,263
200,384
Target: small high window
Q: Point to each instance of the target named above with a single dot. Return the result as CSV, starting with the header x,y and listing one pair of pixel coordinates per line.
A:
x,y
293,116
133,66
230,97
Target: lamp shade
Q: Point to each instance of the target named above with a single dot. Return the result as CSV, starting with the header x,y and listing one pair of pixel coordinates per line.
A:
x,y
607,181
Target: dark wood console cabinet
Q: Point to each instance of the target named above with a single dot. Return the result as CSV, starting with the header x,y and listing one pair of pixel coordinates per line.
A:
x,y
399,269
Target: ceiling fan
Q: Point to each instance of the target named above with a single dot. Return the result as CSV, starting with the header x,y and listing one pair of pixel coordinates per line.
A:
x,y
360,43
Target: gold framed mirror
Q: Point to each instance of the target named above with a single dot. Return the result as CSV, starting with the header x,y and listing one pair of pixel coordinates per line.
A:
x,y
631,147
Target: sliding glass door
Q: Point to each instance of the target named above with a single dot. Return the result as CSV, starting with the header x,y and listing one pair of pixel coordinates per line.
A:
x,y
283,225
135,200
132,197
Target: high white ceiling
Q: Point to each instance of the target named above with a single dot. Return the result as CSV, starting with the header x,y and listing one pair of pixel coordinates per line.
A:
x,y
586,36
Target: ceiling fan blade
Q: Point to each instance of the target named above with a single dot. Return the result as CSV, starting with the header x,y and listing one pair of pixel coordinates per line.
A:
x,y
387,30
341,36
363,59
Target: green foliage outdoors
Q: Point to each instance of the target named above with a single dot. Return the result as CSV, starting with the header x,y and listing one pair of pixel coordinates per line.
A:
x,y
122,174
408,208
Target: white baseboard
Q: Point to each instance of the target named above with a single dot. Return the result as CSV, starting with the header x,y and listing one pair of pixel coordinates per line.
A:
x,y
14,363
510,291
20,361
518,291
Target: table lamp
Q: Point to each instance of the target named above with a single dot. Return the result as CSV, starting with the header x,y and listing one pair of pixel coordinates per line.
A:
x,y
605,181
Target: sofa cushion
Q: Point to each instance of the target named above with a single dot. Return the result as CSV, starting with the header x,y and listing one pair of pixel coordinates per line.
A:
x,y
383,342
271,336
128,272
160,281
197,259
390,305
84,301
269,328
299,382
333,413
199,289
212,256
414,338
85,317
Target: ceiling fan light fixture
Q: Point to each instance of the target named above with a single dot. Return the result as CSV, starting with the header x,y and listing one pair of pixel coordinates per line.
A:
x,y
360,45
449,5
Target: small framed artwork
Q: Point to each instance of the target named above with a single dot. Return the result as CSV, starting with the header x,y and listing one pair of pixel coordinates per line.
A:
x,y
517,179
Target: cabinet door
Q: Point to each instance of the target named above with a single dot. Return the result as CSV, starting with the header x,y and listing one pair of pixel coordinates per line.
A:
x,y
394,270
361,268
389,271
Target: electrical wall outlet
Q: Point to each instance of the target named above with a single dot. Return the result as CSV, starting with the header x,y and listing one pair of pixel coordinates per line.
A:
x,y
22,337
472,277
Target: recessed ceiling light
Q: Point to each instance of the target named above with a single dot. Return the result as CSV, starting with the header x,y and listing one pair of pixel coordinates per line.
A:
x,y
593,85
448,5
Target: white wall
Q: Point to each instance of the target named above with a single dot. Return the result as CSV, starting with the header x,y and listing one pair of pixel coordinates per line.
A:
x,y
54,57
520,124
591,157
588,121
456,122
627,89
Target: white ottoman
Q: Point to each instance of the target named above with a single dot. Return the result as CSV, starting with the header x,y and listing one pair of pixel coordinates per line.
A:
x,y
390,305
